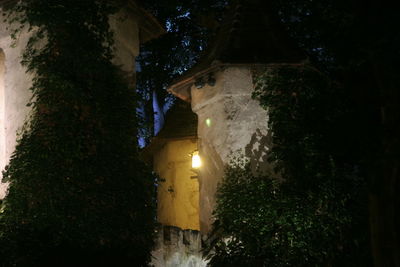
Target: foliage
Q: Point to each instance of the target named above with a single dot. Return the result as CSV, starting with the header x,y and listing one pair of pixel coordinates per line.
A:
x,y
357,43
306,112
189,25
78,193
316,216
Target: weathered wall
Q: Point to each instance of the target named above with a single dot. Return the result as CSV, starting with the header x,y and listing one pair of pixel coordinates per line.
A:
x,y
230,121
126,33
15,94
178,193
2,117
178,248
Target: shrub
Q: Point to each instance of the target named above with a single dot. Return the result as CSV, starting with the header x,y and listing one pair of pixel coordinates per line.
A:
x,y
316,215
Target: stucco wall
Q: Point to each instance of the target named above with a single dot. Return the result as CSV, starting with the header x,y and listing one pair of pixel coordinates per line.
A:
x,y
17,82
230,122
126,33
16,95
2,116
178,248
178,193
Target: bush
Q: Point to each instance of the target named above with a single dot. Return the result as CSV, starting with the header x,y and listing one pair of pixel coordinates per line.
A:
x,y
317,214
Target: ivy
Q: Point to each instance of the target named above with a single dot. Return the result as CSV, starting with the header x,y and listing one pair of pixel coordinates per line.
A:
x,y
316,215
78,194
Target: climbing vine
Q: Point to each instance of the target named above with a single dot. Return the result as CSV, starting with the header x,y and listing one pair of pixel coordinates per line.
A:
x,y
316,215
78,194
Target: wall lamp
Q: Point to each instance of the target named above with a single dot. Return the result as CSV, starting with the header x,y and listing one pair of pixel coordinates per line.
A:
x,y
199,83
202,81
196,160
196,163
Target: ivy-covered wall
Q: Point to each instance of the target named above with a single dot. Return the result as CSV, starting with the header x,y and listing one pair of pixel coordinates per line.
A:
x,y
15,93
78,193
228,120
17,81
2,116
317,215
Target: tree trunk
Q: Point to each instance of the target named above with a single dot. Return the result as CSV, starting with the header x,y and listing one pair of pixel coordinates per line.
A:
x,y
385,197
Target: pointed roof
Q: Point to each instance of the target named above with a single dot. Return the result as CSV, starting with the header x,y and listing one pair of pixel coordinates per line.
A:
x,y
249,34
180,123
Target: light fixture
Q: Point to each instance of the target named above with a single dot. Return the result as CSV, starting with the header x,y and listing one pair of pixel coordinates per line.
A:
x,y
211,80
196,160
199,83
208,122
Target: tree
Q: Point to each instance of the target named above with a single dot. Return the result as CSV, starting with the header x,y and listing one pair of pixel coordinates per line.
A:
x,y
355,44
316,215
78,194
190,25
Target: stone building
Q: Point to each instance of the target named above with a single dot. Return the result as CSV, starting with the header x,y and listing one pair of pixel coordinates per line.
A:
x,y
228,122
170,155
173,155
219,119
132,26
219,88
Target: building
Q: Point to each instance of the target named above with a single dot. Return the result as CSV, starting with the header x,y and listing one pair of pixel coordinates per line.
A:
x,y
228,122
173,153
219,88
132,26
220,120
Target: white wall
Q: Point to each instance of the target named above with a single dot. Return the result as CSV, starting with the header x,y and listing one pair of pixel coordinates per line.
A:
x,y
175,247
15,94
237,123
2,116
126,33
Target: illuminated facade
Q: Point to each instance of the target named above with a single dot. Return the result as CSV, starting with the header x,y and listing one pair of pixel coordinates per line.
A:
x,y
219,89
172,153
175,158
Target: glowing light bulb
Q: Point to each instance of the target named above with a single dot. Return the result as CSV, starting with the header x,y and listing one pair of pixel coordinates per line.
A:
x,y
208,122
196,160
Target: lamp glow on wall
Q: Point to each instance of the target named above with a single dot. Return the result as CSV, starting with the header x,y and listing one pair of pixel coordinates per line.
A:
x,y
196,160
196,163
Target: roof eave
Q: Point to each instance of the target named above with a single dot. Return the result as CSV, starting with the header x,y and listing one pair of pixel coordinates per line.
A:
x,y
181,87
149,27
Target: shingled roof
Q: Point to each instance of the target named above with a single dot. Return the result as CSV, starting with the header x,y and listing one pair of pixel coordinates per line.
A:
x,y
180,123
249,34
